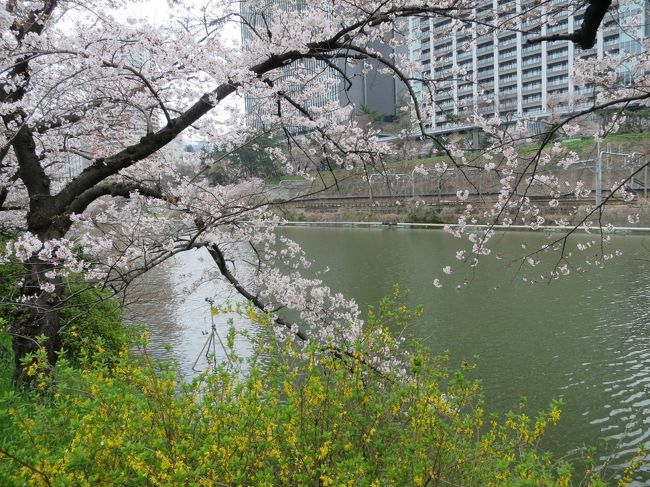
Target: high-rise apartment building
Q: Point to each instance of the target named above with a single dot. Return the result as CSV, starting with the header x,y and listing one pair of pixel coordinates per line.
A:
x,y
371,90
500,73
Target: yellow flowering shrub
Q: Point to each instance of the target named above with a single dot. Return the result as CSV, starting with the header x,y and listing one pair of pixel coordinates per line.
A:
x,y
292,415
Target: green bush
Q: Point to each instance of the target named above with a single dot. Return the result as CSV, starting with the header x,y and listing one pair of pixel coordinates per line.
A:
x,y
6,357
298,416
90,316
424,215
87,315
10,275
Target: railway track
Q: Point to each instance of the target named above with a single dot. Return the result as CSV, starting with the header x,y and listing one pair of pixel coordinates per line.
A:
x,y
435,199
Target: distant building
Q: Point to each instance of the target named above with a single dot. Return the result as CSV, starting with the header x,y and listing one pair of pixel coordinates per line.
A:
x,y
501,68
372,91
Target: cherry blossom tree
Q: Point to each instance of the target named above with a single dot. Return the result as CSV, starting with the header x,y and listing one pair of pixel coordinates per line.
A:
x,y
79,87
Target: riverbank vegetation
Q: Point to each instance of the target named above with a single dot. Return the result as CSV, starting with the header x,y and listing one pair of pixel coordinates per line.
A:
x,y
585,147
89,315
288,415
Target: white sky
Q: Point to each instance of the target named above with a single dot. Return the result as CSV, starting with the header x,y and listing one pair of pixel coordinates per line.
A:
x,y
155,11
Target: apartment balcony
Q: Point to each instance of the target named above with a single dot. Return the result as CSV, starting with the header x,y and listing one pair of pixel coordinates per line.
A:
x,y
445,106
485,37
508,94
557,70
561,27
532,100
583,105
485,61
562,92
583,91
507,80
531,88
484,49
506,14
533,75
511,41
511,53
557,55
530,35
444,97
530,49
552,84
530,24
531,61
507,68
440,25
535,110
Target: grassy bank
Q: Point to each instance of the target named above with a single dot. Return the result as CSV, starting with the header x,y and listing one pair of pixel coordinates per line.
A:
x,y
585,147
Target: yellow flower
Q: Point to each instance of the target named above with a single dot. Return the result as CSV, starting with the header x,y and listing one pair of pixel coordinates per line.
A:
x,y
554,415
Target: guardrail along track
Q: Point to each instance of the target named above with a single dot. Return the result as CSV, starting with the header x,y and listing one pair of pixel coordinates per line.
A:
x,y
442,200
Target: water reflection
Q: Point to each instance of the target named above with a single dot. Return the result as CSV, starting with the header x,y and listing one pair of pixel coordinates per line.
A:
x,y
172,301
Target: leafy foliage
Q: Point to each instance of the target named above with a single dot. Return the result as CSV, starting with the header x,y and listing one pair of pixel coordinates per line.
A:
x,y
88,315
251,159
424,215
299,416
91,316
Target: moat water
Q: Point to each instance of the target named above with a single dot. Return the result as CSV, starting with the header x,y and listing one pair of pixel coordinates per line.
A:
x,y
584,339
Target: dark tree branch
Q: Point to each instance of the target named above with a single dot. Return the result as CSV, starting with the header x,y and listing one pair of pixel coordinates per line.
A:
x,y
149,86
110,189
26,465
341,354
30,169
585,36
220,260
148,145
68,119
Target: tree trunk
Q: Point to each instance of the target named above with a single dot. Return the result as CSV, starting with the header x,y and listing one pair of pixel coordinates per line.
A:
x,y
39,317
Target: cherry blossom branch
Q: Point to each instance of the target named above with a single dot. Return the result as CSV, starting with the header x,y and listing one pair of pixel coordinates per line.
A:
x,y
620,186
219,259
148,85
